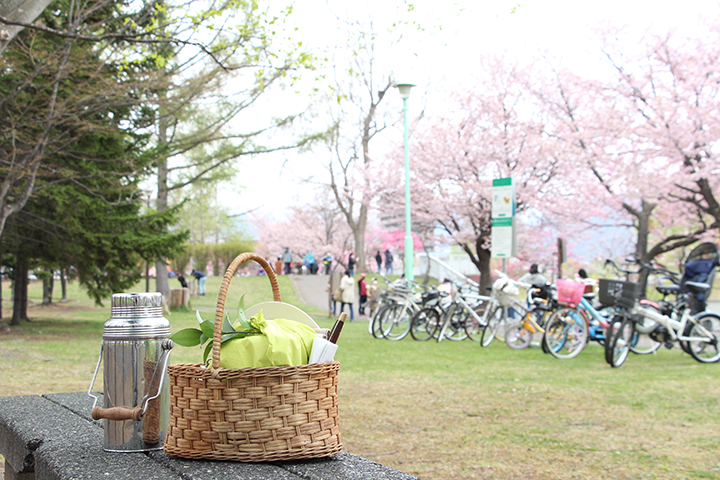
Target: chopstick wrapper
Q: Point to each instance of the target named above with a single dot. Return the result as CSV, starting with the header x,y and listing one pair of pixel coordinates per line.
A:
x,y
322,351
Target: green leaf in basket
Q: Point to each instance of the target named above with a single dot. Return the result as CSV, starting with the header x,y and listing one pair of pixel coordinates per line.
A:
x,y
203,338
241,308
231,336
197,315
227,326
207,328
188,337
207,351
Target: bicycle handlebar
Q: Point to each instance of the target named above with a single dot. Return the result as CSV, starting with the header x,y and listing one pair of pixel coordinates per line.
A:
x,y
657,270
516,282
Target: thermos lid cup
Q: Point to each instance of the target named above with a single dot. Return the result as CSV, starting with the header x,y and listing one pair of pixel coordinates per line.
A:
x,y
136,316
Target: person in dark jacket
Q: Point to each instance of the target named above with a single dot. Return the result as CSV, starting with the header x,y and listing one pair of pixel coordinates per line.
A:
x,y
388,261
351,264
201,281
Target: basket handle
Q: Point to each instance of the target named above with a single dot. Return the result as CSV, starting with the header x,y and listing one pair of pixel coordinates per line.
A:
x,y
220,309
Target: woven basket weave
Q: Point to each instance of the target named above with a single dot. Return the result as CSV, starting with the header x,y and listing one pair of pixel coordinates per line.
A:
x,y
252,414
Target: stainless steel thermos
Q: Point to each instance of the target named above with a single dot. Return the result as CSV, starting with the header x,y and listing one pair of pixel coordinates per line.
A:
x,y
135,351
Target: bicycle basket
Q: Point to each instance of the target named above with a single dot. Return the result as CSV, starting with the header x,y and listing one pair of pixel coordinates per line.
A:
x,y
505,291
430,298
618,293
569,291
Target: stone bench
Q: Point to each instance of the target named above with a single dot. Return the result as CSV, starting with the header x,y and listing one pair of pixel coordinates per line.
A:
x,y
53,437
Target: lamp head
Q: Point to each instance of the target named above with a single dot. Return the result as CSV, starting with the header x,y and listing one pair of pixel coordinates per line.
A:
x,y
404,89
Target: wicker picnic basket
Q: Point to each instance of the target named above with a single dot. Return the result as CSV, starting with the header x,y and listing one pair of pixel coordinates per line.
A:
x,y
252,414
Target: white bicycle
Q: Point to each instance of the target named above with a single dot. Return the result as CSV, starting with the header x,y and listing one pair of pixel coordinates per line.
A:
x,y
698,334
503,301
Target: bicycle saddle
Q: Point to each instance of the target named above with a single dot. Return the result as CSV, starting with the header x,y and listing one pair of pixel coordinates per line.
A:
x,y
697,287
668,289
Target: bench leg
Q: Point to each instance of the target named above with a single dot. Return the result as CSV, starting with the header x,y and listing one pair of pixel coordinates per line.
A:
x,y
10,474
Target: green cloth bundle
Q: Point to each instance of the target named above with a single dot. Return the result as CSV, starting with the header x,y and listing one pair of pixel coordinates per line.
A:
x,y
280,343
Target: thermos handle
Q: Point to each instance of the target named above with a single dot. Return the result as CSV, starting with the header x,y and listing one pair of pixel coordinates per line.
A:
x,y
123,413
114,413
167,345
117,413
97,368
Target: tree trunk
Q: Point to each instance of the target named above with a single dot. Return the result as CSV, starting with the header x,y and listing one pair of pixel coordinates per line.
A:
x,y
359,235
20,291
483,265
642,225
63,284
481,259
48,287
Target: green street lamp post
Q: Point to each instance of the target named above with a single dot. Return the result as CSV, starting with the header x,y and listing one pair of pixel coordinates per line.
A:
x,y
409,251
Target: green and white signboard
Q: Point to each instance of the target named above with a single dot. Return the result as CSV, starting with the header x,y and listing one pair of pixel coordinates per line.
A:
x,y
503,235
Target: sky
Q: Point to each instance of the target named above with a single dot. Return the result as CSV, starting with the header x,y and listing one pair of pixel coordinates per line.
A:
x,y
443,57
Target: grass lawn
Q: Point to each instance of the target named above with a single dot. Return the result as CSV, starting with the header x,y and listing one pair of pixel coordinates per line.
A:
x,y
444,411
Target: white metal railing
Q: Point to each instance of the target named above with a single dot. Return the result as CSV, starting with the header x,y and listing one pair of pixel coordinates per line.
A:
x,y
440,269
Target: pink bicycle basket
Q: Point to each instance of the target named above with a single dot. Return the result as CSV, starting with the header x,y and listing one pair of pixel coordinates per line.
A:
x,y
569,291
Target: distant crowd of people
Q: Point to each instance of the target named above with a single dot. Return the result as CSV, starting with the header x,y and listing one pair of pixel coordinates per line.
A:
x,y
286,264
343,292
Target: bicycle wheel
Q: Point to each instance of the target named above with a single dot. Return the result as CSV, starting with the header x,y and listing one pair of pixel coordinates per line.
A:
x,y
372,324
454,328
396,324
642,343
424,324
379,319
706,328
493,325
473,326
618,345
517,336
566,333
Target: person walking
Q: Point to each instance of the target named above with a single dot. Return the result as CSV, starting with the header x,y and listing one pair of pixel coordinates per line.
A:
x,y
200,277
287,260
351,264
334,292
378,260
362,290
348,293
388,261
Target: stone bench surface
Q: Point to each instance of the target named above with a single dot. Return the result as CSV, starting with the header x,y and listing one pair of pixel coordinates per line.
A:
x,y
53,437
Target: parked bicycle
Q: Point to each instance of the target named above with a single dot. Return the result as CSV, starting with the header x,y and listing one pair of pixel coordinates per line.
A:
x,y
426,323
392,319
502,307
463,317
696,332
541,306
566,332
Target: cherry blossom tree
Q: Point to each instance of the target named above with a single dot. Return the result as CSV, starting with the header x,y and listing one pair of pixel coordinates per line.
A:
x,y
673,91
493,132
313,227
642,142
